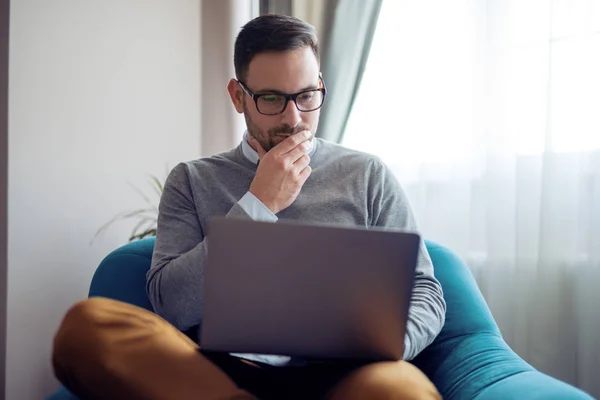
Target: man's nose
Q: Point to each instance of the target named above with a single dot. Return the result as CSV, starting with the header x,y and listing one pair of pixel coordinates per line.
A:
x,y
291,115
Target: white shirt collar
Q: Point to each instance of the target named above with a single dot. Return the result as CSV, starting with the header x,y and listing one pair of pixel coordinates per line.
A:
x,y
252,155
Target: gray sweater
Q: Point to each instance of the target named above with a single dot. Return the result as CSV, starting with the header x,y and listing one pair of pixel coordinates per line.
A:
x,y
346,187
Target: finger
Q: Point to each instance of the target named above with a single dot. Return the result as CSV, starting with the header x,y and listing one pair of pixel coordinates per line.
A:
x,y
302,163
259,149
291,142
304,174
297,152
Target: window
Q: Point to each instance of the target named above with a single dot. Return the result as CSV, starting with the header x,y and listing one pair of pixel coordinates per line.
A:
x,y
448,81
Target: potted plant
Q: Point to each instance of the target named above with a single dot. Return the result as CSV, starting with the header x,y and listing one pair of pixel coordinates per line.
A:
x,y
144,218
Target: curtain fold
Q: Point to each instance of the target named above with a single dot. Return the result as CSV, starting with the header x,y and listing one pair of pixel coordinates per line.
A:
x,y
345,53
281,7
318,13
345,29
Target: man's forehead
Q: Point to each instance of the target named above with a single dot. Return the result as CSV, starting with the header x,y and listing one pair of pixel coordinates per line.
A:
x,y
287,72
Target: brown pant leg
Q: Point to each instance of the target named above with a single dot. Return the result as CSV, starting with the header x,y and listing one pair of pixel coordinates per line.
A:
x,y
107,349
386,380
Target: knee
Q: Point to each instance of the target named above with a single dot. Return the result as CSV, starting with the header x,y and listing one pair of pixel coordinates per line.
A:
x,y
78,327
390,381
83,316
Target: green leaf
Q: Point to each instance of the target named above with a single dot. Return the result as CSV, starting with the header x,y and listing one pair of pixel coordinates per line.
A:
x,y
147,217
143,196
156,185
148,233
123,216
141,223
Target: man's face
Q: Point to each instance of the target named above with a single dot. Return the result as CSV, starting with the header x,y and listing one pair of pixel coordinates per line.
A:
x,y
283,72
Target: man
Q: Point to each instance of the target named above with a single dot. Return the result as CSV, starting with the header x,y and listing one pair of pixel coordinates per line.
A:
x,y
110,350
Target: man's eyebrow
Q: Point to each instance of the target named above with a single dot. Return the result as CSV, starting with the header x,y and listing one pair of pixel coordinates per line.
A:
x,y
275,91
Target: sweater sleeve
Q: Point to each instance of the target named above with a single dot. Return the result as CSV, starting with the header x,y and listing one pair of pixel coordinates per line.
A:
x,y
390,208
176,275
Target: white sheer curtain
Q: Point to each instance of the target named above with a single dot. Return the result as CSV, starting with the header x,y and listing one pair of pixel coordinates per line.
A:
x,y
489,113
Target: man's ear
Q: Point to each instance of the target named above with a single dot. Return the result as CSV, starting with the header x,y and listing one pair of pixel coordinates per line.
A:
x,y
236,93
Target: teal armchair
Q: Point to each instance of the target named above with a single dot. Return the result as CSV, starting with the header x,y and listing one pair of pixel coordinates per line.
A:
x,y
468,360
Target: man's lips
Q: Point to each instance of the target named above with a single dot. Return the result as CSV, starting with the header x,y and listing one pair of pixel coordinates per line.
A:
x,y
286,135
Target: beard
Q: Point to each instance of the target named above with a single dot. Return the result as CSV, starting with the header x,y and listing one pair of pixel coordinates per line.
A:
x,y
272,138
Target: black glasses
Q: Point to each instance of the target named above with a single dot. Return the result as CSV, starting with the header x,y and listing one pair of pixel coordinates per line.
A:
x,y
273,103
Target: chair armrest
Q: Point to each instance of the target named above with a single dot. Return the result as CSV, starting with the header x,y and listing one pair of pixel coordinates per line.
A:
x,y
537,385
469,359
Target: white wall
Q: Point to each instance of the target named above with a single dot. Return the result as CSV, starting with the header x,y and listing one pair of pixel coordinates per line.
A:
x,y
101,92
4,23
222,127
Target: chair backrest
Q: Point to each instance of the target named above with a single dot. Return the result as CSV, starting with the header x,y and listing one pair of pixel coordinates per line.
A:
x,y
122,274
466,309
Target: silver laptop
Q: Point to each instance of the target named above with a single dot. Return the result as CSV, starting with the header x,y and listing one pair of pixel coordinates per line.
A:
x,y
304,290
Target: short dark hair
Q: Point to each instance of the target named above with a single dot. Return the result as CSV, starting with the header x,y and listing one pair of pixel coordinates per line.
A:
x,y
271,33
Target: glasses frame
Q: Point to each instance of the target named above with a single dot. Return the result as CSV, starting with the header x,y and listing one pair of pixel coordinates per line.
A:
x,y
288,97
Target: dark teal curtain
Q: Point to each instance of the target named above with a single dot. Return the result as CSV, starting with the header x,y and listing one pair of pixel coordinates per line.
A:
x,y
345,40
343,61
